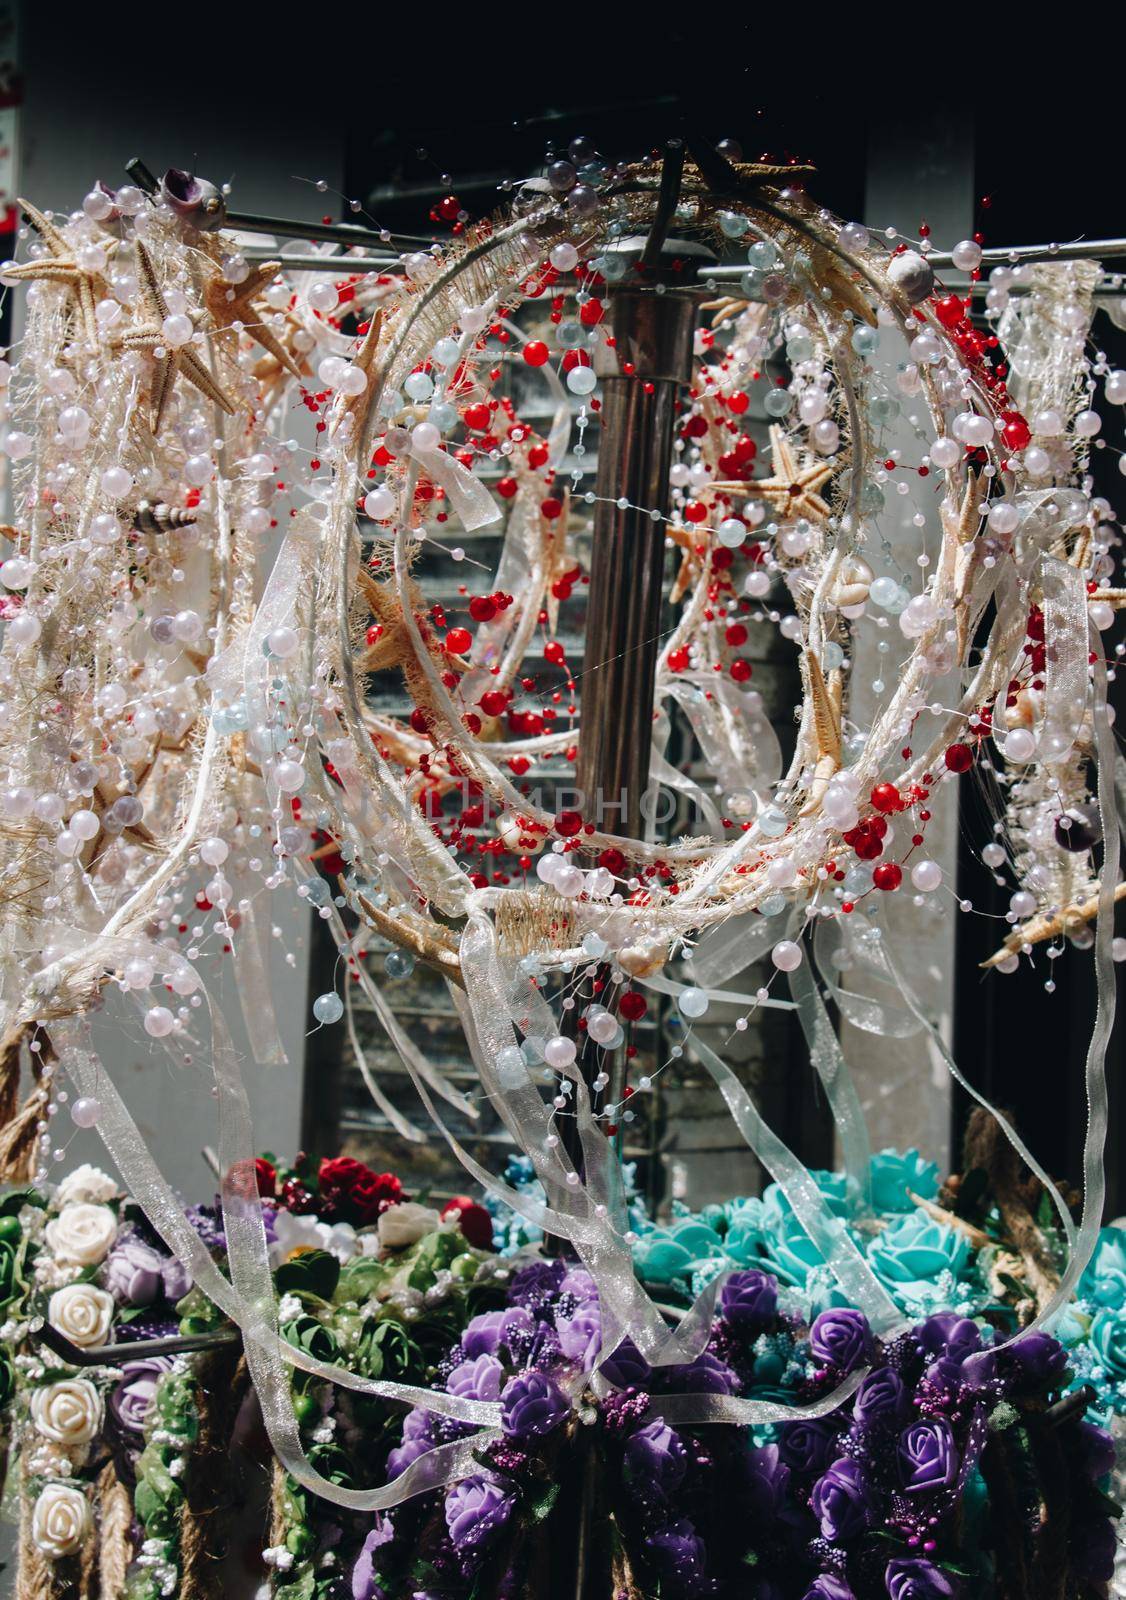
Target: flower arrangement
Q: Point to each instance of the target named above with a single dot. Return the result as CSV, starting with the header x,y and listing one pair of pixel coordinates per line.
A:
x,y
931,1463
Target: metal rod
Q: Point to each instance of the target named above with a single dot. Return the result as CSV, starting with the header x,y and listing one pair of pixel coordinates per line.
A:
x,y
328,264
112,1355
1012,255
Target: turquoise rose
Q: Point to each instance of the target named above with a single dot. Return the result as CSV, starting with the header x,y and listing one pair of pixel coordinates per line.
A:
x,y
894,1172
834,1191
789,1252
910,1254
744,1234
1108,1340
670,1253
1104,1277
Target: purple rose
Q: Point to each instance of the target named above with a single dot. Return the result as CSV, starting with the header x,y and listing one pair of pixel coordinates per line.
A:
x,y
805,1447
484,1333
828,1587
579,1282
748,1300
654,1460
177,1279
1096,1451
478,1379
364,1586
581,1335
879,1397
706,1375
418,1438
627,1367
476,1509
131,1400
914,1579
841,1338
768,1481
1040,1360
842,1501
928,1456
947,1334
532,1404
133,1271
678,1553
536,1282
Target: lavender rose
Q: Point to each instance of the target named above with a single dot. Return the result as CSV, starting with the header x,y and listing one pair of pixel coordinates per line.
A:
x,y
748,1300
177,1279
706,1375
476,1510
677,1551
828,1587
486,1332
134,1271
842,1501
928,1457
655,1460
532,1404
581,1335
418,1438
1097,1451
132,1399
364,1586
918,1580
879,1397
479,1379
805,1447
841,1338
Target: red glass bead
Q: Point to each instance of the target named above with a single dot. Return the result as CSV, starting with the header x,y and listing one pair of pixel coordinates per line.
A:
x,y
885,797
536,353
568,823
632,1005
888,876
959,758
458,640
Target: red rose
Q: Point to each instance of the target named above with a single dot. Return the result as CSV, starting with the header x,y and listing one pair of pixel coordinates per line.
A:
x,y
266,1176
473,1220
354,1192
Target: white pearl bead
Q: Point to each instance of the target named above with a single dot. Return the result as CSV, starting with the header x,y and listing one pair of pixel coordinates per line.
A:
x,y
786,955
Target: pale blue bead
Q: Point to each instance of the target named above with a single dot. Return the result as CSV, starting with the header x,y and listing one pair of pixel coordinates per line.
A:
x,y
419,386
799,348
751,285
858,879
882,592
443,416
328,1007
778,402
762,255
614,268
230,719
398,964
865,340
445,352
733,224
872,499
532,1049
883,408
773,905
832,656
570,333
391,402
318,893
772,822
692,1003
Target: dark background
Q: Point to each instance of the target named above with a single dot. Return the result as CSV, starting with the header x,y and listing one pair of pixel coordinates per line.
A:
x,y
464,97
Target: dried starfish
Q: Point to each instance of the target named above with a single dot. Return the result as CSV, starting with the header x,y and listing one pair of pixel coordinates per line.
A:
x,y
357,406
1109,597
149,335
725,309
230,303
828,272
61,266
790,489
1037,929
825,699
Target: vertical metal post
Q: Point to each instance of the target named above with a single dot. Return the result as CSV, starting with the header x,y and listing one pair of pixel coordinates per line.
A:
x,y
653,322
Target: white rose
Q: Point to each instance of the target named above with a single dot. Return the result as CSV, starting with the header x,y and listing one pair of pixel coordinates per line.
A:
x,y
82,1313
405,1224
61,1521
86,1183
69,1412
82,1233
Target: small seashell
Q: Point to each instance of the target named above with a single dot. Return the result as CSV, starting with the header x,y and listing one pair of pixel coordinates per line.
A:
x,y
148,518
194,200
853,582
912,275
